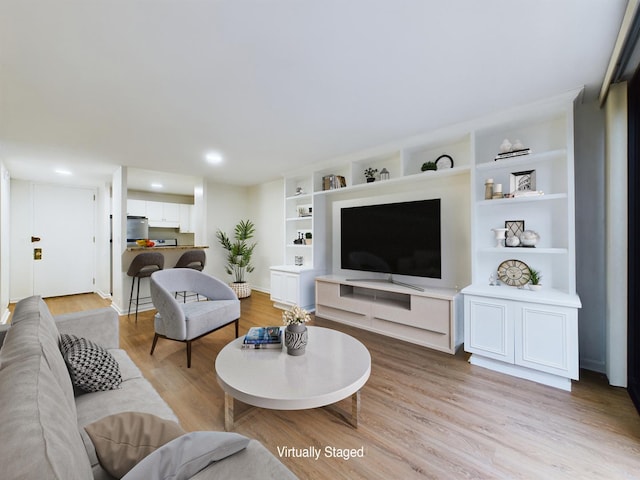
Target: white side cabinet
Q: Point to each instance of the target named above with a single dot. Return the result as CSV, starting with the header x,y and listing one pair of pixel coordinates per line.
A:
x,y
536,341
291,285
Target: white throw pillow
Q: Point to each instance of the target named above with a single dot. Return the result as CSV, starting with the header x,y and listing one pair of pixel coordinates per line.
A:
x,y
182,458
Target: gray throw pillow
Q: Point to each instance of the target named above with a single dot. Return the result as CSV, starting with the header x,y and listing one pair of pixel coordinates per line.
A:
x,y
91,367
185,456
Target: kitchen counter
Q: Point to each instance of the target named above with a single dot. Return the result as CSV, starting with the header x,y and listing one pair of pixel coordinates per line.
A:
x,y
164,248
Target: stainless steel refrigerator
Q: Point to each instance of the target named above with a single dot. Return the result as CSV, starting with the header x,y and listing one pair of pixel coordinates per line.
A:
x,y
137,229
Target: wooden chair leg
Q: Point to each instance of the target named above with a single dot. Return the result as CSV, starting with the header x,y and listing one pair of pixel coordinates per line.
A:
x,y
188,353
153,345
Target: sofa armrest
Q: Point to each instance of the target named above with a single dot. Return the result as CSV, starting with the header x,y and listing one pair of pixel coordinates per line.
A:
x,y
101,326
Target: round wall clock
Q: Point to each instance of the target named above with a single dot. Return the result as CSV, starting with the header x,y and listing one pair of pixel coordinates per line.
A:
x,y
444,161
514,273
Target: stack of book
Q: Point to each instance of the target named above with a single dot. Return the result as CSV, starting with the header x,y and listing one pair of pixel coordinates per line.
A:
x,y
513,153
263,337
331,182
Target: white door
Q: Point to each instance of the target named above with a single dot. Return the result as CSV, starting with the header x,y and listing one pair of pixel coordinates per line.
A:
x,y
63,230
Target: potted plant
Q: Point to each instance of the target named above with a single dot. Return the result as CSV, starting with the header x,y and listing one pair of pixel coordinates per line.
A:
x,y
534,279
295,335
308,238
427,166
370,173
239,253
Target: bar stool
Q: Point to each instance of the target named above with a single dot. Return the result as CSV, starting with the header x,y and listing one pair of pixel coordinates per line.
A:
x,y
194,259
143,265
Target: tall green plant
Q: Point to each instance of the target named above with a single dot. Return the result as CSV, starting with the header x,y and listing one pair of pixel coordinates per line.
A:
x,y
239,251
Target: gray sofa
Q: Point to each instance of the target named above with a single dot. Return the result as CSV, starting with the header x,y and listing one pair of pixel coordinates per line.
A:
x,y
42,420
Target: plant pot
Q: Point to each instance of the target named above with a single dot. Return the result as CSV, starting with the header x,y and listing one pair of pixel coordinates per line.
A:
x,y
371,179
535,288
242,289
295,339
308,241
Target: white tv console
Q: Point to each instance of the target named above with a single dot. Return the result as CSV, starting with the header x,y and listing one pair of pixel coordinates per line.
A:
x,y
432,318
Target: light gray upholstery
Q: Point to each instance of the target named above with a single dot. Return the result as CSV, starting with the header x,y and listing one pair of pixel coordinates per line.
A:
x,y
188,321
43,431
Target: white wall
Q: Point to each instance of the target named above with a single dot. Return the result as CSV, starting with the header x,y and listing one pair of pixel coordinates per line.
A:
x,y
226,205
267,206
590,233
5,202
20,272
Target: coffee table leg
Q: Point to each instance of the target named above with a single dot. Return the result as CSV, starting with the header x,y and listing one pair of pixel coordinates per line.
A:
x,y
355,409
228,412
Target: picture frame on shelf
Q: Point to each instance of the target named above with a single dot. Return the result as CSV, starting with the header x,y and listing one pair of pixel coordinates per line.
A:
x,y
523,182
514,230
305,210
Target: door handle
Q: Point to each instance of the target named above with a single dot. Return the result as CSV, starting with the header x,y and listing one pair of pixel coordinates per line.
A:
x,y
34,239
37,254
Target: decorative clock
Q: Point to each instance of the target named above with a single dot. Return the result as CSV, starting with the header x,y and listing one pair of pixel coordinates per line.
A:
x,y
444,161
514,273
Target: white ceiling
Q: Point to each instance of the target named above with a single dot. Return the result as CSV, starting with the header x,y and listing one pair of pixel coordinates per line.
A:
x,y
272,84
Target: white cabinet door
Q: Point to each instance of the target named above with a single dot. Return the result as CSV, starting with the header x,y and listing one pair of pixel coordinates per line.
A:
x,y
546,339
285,287
171,212
291,288
186,220
154,211
488,328
137,208
277,286
162,214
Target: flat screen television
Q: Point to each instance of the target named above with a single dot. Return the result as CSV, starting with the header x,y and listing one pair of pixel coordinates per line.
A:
x,y
396,238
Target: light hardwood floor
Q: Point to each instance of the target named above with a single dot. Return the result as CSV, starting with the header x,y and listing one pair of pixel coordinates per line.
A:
x,y
424,414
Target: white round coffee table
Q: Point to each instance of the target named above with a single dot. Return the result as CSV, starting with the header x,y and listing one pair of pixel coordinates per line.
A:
x,y
334,367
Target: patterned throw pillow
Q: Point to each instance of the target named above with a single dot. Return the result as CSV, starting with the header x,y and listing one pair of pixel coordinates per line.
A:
x,y
91,367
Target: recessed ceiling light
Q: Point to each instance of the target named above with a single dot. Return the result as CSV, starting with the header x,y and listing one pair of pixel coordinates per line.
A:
x,y
213,157
61,171
156,185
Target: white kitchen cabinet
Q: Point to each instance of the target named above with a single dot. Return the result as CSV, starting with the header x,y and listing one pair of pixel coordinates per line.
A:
x,y
536,341
186,218
137,208
291,285
162,214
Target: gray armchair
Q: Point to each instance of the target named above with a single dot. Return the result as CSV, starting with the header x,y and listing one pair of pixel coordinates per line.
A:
x,y
186,322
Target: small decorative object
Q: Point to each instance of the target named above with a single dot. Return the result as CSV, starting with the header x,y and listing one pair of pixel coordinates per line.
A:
x,y
505,146
370,173
304,210
298,260
308,238
493,279
488,189
295,335
500,236
514,273
529,238
522,182
384,174
299,240
514,230
429,166
444,161
299,191
497,191
517,145
534,278
511,241
239,254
